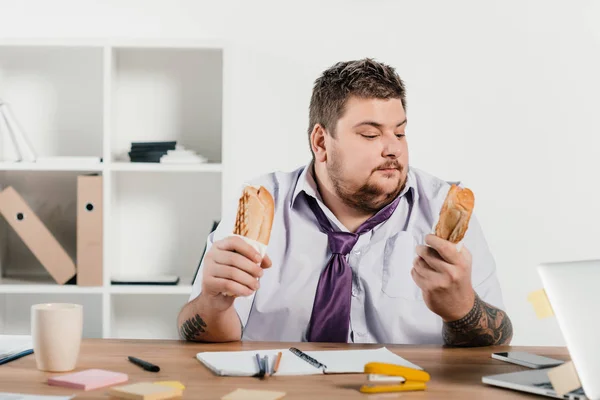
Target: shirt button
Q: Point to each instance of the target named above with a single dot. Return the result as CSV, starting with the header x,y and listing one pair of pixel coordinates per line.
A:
x,y
354,292
357,252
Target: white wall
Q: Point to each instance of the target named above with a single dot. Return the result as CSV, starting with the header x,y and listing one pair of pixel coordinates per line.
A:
x,y
502,95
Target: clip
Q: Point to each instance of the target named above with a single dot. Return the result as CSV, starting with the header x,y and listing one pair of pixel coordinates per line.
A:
x,y
384,378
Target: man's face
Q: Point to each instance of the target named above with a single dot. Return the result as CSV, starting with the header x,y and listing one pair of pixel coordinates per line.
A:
x,y
367,161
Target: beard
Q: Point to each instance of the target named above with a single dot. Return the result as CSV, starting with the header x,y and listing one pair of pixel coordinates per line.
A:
x,y
368,197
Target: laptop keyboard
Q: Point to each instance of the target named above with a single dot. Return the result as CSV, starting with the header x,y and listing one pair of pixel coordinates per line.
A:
x,y
548,385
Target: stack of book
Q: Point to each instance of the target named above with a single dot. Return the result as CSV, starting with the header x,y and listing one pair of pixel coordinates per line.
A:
x,y
150,151
164,152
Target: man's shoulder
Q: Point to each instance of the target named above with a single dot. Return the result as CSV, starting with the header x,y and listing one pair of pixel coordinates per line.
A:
x,y
430,186
279,183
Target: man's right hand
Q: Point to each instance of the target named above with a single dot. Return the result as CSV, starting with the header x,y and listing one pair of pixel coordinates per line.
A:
x,y
231,266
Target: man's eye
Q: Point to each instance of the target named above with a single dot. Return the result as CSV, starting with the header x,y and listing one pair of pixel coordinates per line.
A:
x,y
401,135
370,136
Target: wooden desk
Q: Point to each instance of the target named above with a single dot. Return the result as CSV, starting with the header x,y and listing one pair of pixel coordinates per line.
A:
x,y
455,373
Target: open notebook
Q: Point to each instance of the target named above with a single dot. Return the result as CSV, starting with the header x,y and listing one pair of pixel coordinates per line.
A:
x,y
243,363
13,345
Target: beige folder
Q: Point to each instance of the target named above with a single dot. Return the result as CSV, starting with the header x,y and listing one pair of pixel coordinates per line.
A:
x,y
89,230
36,236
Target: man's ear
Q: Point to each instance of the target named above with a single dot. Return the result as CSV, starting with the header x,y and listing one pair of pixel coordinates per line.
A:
x,y
317,143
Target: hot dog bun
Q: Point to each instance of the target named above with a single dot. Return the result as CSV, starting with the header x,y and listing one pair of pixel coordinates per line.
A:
x,y
455,214
254,218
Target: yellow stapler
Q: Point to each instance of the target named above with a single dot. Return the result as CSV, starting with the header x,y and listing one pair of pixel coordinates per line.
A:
x,y
384,378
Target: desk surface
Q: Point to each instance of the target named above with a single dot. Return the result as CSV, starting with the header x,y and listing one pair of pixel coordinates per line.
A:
x,y
455,373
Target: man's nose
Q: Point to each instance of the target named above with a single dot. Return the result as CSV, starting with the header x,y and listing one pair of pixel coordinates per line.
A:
x,y
391,146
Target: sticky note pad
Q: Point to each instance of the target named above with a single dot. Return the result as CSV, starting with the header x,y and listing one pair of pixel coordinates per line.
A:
x,y
541,304
88,379
246,394
145,391
564,378
174,384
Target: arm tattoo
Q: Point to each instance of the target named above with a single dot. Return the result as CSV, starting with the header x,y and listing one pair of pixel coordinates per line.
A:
x,y
191,328
484,325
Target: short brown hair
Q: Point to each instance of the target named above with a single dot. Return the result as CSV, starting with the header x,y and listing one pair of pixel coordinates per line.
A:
x,y
364,78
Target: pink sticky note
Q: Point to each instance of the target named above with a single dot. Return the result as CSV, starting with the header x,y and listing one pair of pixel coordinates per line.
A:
x,y
88,379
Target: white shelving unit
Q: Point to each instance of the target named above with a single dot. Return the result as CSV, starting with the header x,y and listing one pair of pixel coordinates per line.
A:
x,y
93,98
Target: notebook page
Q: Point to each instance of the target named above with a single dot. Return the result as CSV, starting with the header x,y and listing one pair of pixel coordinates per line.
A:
x,y
13,344
353,361
243,363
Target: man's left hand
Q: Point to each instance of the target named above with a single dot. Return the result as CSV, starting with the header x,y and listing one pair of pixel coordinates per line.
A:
x,y
443,272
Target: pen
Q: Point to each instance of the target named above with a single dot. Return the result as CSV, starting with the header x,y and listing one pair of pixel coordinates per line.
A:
x,y
276,364
144,364
261,368
307,358
266,365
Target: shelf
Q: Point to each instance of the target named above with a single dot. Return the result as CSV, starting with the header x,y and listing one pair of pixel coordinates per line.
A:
x,y
94,98
16,311
32,166
158,167
166,94
116,43
8,285
151,289
160,223
117,166
56,97
136,316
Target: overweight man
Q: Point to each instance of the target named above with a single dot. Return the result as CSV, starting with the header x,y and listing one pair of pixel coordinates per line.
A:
x,y
351,256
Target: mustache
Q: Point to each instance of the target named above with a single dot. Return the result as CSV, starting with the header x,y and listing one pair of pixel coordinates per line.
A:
x,y
390,165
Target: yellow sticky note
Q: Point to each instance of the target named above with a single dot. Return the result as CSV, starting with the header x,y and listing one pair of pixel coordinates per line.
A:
x,y
144,391
564,378
173,384
246,394
541,304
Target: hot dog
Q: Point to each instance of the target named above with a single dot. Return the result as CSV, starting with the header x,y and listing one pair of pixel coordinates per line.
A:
x,y
455,214
255,212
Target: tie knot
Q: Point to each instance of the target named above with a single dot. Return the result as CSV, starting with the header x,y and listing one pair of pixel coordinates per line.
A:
x,y
342,242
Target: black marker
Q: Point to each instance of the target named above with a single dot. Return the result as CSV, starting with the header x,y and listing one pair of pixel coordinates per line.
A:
x,y
144,364
307,358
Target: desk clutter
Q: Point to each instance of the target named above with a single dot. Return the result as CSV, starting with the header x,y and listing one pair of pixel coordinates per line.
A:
x,y
384,372
92,379
296,362
96,378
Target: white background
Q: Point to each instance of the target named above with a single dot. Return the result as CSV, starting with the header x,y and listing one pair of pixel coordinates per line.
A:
x,y
502,95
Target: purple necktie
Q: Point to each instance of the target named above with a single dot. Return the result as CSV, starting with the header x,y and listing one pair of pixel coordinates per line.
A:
x,y
330,318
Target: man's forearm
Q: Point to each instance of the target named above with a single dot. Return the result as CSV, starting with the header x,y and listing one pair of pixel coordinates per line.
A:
x,y
484,325
199,320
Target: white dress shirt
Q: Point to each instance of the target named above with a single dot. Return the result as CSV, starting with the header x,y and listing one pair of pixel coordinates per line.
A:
x,y
387,306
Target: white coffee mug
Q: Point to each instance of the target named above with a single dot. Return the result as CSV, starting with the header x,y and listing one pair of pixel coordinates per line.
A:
x,y
56,330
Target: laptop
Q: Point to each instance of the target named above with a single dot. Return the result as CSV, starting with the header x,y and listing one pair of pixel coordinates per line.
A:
x,y
573,291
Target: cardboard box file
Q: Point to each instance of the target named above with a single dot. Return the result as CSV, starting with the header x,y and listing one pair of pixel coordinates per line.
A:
x,y
36,236
89,230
